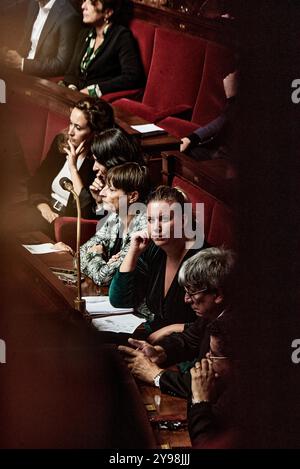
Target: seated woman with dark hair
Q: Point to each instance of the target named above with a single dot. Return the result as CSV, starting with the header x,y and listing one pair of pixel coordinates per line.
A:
x,y
111,148
125,185
69,156
105,57
150,269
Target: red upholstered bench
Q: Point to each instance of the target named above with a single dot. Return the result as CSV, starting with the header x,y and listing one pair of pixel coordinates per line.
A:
x,y
218,217
174,77
222,227
219,62
44,125
65,230
197,195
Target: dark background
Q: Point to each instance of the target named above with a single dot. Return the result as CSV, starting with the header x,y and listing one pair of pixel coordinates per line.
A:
x,y
267,283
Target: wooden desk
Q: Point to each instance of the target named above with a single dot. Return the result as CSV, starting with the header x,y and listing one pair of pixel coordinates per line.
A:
x,y
54,296
49,95
151,145
61,387
167,416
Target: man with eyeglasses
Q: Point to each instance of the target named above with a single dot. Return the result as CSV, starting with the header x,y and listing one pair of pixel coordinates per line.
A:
x,y
211,421
204,277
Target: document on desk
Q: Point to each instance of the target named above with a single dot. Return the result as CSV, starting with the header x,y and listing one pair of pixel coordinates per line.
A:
x,y
126,323
148,130
45,248
101,306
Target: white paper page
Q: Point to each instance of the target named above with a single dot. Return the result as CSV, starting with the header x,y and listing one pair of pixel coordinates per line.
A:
x,y
126,323
145,128
102,305
45,248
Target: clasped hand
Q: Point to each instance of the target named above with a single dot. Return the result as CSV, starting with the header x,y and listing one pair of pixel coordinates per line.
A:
x,y
73,153
95,189
203,381
143,361
13,59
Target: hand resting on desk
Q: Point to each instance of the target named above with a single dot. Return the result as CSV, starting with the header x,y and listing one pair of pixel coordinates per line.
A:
x,y
64,247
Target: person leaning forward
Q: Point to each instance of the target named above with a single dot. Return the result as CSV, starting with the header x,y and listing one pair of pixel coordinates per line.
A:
x,y
204,277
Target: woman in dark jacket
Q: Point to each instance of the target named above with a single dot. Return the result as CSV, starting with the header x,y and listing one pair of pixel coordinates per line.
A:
x,y
69,156
105,58
150,270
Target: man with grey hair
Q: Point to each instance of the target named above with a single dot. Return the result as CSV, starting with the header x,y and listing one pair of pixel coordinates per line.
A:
x,y
204,278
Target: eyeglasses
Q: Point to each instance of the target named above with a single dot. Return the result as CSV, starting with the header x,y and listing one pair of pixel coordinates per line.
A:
x,y
212,357
192,294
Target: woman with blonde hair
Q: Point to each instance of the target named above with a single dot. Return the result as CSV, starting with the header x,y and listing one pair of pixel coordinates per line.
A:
x,y
150,269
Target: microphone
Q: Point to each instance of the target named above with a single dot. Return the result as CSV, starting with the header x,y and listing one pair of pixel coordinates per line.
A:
x,y
67,185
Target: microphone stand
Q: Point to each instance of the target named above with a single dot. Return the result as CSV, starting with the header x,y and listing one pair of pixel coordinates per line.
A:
x,y
79,303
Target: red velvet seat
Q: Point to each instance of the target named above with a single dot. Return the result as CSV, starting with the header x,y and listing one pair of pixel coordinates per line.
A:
x,y
30,125
65,230
174,77
143,32
219,227
44,125
222,227
197,195
55,124
219,62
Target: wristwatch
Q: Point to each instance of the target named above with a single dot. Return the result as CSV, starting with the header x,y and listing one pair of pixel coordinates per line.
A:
x,y
156,379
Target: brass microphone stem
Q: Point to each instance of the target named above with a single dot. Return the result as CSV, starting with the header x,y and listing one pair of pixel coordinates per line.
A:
x,y
79,302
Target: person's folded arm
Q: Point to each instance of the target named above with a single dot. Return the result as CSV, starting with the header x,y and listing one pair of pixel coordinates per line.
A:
x,y
128,288
182,346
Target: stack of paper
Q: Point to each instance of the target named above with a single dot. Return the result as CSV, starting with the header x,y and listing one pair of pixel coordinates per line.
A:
x,y
126,323
101,306
111,319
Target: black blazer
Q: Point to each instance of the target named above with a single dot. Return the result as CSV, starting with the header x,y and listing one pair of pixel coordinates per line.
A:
x,y
116,67
188,345
56,42
39,186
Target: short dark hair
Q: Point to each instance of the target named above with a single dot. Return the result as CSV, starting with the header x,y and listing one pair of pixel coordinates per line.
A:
x,y
112,147
97,112
221,328
115,5
130,177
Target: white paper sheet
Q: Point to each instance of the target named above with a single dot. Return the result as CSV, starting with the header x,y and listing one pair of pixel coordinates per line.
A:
x,y
126,323
45,248
101,305
147,128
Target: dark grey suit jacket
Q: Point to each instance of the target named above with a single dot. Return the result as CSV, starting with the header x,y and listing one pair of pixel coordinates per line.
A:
x,y
56,43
